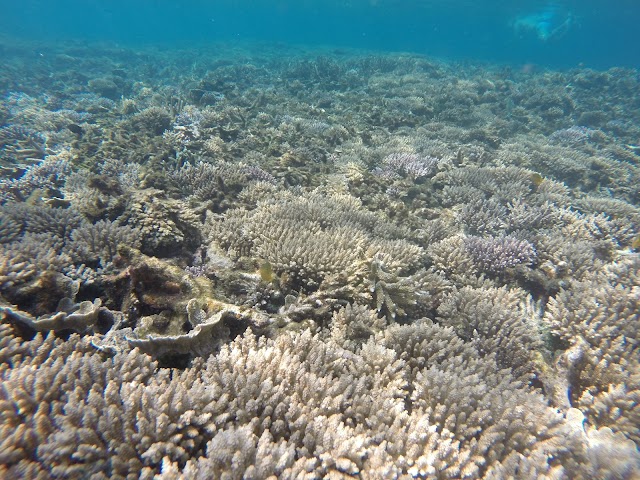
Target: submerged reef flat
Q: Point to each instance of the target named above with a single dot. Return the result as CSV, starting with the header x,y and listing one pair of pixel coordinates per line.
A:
x,y
274,263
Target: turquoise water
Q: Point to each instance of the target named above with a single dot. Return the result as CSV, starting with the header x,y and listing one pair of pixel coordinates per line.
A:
x,y
596,33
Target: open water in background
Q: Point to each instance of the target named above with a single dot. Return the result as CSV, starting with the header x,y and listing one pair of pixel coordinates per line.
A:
x,y
601,33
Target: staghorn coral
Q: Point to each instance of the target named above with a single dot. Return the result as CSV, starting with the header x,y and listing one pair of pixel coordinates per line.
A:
x,y
21,146
354,324
441,394
560,259
309,256
451,256
10,227
328,244
584,167
625,272
409,165
501,200
290,406
40,219
187,127
34,253
93,242
63,386
524,216
392,294
208,181
581,244
14,270
483,216
57,221
57,249
599,366
572,135
498,321
153,120
94,196
44,179
126,173
501,183
496,254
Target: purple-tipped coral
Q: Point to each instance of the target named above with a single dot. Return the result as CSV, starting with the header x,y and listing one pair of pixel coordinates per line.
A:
x,y
253,172
410,165
496,254
572,135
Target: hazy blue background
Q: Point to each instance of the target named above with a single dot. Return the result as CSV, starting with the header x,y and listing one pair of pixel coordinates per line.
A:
x,y
603,33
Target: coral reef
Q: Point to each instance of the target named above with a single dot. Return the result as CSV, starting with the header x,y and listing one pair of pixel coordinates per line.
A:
x,y
230,263
328,409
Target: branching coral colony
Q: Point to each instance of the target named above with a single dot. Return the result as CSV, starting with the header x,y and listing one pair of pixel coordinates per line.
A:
x,y
316,267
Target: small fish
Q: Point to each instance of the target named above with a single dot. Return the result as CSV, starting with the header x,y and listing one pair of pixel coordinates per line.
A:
x,y
536,179
266,272
635,243
77,129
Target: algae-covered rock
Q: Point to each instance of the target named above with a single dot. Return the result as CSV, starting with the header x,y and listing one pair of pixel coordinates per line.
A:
x,y
207,327
172,312
152,287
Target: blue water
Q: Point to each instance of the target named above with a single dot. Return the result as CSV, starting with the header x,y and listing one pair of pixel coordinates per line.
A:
x,y
594,33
